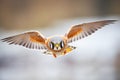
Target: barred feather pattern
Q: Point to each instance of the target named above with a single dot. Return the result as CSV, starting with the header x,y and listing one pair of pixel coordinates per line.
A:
x,y
24,40
87,29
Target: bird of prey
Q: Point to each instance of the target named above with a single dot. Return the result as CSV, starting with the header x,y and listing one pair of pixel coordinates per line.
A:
x,y
56,44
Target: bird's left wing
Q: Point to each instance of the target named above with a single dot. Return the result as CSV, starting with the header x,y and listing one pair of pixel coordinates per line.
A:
x,y
82,30
33,40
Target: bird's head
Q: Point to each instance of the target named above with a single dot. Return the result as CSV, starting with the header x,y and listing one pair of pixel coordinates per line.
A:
x,y
56,43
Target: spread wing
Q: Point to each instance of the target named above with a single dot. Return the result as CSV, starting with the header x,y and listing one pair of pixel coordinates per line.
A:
x,y
82,30
33,40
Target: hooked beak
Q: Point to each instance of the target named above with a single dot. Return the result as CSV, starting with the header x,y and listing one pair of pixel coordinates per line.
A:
x,y
57,46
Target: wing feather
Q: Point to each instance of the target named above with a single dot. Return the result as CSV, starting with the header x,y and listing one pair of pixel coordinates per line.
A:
x,y
32,40
82,30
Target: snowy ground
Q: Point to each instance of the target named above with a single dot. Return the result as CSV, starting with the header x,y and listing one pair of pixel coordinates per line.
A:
x,y
94,58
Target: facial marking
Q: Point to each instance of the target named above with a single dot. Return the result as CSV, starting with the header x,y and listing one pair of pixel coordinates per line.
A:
x,y
56,43
62,44
52,45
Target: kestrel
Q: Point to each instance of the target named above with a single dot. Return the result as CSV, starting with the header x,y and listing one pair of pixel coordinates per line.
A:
x,y
56,45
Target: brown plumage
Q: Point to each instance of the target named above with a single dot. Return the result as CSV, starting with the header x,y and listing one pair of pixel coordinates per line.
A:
x,y
56,45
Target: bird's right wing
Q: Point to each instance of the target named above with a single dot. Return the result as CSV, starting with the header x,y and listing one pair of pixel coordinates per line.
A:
x,y
33,40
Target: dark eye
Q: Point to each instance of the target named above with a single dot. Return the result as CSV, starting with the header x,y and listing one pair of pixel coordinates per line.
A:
x,y
51,45
62,44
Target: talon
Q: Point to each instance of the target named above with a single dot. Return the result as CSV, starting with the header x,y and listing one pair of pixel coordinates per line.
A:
x,y
64,52
54,55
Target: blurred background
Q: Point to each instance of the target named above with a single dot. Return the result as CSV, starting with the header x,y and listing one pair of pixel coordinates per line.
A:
x,y
97,57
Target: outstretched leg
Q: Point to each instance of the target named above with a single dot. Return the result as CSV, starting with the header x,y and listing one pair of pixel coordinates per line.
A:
x,y
48,52
68,49
54,55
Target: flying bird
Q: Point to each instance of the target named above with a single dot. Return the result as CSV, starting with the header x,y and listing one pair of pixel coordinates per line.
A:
x,y
56,45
